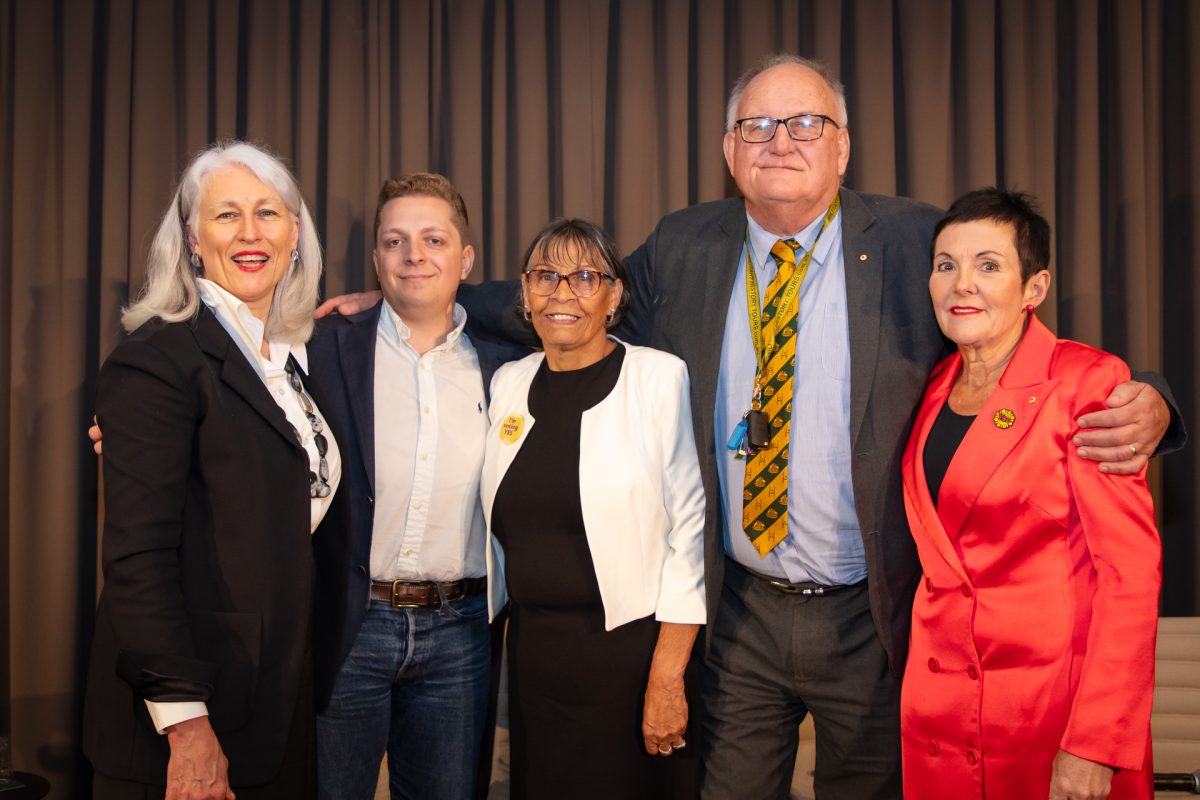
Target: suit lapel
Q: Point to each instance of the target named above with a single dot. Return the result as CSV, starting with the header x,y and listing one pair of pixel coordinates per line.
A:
x,y
862,257
502,450
238,375
1005,419
491,357
718,252
916,486
356,352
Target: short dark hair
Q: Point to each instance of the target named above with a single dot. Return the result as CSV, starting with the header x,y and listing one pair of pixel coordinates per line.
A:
x,y
562,235
426,184
1018,209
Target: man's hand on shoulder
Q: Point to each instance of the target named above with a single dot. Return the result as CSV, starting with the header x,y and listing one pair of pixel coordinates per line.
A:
x,y
198,769
347,304
1125,436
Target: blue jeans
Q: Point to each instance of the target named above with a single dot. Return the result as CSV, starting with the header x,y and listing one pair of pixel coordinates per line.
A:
x,y
415,683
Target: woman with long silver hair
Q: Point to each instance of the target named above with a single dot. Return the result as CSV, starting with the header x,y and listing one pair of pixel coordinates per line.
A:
x,y
218,466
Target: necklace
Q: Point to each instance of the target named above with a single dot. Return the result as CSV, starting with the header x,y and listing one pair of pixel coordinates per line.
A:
x,y
318,482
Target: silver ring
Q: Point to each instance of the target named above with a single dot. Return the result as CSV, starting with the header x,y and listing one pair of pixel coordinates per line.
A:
x,y
666,752
1133,449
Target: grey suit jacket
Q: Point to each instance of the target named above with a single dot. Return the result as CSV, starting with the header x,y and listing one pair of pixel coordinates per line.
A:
x,y
682,283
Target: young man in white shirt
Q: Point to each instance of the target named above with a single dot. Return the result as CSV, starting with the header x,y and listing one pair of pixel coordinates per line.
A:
x,y
400,629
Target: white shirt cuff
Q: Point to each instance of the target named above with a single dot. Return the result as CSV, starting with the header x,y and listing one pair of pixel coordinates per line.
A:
x,y
164,715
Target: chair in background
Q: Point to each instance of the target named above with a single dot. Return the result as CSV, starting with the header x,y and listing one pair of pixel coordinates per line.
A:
x,y
1175,721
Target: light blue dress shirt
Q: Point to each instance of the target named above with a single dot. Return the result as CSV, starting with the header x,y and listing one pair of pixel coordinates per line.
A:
x,y
823,542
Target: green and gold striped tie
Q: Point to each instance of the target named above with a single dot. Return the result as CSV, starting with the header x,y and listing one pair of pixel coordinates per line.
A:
x,y
765,508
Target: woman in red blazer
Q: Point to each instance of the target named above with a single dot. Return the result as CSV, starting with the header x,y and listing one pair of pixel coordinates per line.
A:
x,y
1031,667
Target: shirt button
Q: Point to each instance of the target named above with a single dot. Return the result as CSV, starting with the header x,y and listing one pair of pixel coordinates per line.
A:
x,y
417,506
934,666
934,750
424,456
972,757
929,585
408,552
426,410
966,590
973,673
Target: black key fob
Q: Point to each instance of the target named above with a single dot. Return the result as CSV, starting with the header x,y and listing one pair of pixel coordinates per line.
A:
x,y
758,430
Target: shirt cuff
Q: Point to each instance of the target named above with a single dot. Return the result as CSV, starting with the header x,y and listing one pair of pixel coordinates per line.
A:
x,y
164,715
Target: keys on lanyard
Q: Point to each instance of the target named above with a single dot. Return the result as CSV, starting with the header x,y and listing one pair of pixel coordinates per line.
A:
x,y
752,433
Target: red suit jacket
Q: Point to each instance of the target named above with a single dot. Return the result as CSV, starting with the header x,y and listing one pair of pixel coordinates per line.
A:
x,y
1034,624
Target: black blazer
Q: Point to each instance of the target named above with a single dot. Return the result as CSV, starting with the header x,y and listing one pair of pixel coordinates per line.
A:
x,y
206,552
342,362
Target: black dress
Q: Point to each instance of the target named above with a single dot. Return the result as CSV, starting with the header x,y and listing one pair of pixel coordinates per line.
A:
x,y
575,690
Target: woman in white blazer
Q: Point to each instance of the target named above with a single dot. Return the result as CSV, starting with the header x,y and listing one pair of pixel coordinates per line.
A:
x,y
591,489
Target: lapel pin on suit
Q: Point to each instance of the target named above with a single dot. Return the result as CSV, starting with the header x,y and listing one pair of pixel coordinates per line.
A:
x,y
1004,418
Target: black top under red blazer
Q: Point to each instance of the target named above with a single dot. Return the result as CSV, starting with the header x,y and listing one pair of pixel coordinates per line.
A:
x,y
207,553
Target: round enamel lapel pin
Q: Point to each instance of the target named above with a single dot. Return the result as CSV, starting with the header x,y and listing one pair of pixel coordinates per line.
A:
x,y
1004,418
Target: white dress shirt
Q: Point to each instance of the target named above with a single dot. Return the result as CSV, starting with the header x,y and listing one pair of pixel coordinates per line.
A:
x,y
247,332
430,425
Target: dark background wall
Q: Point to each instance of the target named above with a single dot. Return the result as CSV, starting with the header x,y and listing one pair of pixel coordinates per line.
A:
x,y
608,109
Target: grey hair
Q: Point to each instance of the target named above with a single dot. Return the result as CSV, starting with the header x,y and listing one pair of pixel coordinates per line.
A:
x,y
171,292
780,59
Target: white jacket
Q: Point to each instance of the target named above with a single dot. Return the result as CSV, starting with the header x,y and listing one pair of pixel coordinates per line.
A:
x,y
639,486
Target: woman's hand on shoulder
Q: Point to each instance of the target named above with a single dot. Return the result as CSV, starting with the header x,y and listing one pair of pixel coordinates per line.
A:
x,y
1075,778
347,304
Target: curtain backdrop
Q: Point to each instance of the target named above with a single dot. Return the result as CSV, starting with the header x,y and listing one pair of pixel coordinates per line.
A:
x,y
607,109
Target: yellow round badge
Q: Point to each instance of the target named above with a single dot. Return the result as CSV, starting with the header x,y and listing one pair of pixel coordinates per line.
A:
x,y
510,429
1004,418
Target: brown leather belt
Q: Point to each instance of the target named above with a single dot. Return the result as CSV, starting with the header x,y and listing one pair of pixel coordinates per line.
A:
x,y
425,594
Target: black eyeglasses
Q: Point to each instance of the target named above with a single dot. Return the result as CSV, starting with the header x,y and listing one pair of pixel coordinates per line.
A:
x,y
318,482
802,127
583,282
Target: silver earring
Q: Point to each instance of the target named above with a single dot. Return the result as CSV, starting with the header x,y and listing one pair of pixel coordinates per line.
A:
x,y
612,313
195,259
295,257
525,314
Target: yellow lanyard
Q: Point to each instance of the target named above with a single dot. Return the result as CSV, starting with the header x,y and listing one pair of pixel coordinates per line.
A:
x,y
764,349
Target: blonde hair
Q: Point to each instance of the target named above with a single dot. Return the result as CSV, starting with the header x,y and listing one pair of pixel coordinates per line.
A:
x,y
171,292
426,184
